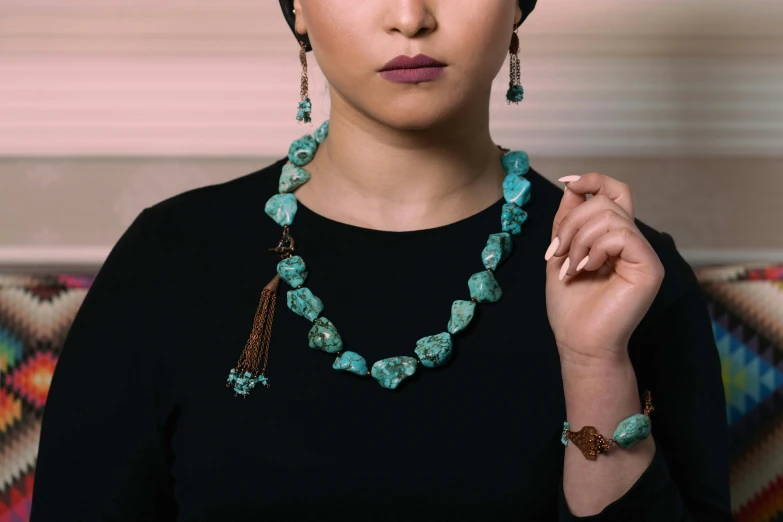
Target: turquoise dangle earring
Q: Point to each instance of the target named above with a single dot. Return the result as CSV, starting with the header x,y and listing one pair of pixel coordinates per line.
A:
x,y
515,92
305,106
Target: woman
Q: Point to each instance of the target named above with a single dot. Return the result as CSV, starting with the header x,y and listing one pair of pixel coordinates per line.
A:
x,y
423,415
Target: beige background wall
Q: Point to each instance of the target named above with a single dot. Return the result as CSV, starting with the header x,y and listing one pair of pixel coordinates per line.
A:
x,y
107,107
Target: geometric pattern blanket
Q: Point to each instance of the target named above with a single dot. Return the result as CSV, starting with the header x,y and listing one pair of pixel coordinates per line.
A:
x,y
745,304
35,314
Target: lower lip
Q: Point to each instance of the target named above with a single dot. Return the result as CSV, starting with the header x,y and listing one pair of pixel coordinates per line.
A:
x,y
421,74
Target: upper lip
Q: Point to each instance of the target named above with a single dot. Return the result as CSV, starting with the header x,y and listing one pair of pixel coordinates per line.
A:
x,y
407,62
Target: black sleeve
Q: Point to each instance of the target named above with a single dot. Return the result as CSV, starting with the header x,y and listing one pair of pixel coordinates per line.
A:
x,y
103,453
688,478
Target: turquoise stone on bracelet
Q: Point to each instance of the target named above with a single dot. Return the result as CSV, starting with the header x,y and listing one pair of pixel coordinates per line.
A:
x,y
498,248
632,430
511,218
282,208
392,371
484,287
461,315
435,350
323,336
321,133
563,437
302,150
303,302
516,162
351,362
292,177
516,189
292,270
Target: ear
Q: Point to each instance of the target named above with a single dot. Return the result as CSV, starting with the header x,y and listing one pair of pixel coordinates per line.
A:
x,y
301,26
517,14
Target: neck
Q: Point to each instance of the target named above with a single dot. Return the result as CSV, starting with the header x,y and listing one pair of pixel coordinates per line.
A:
x,y
370,175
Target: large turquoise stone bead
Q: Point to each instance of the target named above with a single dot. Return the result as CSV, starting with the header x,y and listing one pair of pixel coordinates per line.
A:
x,y
498,248
322,132
323,336
351,362
303,302
435,350
516,189
302,150
281,208
563,437
484,287
632,430
461,315
390,372
292,177
516,162
292,270
511,218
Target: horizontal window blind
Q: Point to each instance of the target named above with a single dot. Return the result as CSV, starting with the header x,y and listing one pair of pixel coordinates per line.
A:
x,y
198,78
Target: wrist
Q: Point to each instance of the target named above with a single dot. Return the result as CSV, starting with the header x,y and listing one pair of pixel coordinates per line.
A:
x,y
600,395
615,362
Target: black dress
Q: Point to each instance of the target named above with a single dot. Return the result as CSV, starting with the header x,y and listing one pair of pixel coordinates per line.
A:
x,y
140,426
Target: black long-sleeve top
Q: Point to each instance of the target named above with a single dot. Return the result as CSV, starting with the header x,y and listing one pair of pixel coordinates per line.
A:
x,y
140,426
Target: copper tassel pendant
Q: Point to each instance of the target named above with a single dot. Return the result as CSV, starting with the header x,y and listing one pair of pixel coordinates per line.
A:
x,y
245,376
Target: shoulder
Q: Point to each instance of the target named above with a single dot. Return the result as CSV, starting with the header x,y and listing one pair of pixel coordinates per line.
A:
x,y
207,232
212,216
679,276
212,205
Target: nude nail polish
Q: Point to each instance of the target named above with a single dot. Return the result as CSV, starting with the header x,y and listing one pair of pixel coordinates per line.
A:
x,y
570,179
582,263
564,268
552,248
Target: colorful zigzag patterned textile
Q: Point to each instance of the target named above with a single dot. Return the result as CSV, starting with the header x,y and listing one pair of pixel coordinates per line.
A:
x,y
746,306
745,303
35,314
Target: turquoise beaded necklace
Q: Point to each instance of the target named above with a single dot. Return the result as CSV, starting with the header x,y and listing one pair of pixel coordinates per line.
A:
x,y
432,351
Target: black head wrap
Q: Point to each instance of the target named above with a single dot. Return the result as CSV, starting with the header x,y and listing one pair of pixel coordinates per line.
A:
x,y
288,10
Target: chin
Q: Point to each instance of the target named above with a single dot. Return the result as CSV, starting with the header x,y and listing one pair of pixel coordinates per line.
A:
x,y
417,112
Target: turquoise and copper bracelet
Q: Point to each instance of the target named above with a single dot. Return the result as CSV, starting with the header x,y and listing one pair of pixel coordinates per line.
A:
x,y
629,432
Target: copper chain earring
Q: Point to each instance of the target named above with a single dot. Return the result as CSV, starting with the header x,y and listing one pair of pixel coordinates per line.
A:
x,y
305,106
515,92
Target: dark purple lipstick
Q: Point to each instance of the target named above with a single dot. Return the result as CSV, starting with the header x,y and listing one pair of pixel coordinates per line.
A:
x,y
406,69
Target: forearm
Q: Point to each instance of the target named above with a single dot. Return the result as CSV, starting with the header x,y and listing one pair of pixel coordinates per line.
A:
x,y
601,396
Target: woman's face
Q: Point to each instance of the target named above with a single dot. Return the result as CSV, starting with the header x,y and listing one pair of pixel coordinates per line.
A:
x,y
354,39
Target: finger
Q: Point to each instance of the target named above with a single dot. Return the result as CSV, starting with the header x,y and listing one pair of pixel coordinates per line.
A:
x,y
600,184
626,244
569,202
578,217
599,225
596,184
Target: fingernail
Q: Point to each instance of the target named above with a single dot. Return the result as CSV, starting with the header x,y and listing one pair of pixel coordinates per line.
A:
x,y
582,263
570,179
552,248
564,268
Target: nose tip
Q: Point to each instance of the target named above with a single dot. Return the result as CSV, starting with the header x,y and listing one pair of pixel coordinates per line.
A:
x,y
413,20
